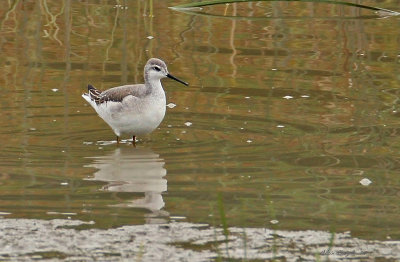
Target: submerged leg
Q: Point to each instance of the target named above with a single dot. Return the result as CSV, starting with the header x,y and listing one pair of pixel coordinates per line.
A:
x,y
117,140
134,140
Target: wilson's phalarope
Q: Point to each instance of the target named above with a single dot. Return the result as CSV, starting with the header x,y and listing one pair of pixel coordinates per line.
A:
x,y
133,109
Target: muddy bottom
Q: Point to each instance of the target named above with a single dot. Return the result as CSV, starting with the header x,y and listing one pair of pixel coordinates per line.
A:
x,y
65,240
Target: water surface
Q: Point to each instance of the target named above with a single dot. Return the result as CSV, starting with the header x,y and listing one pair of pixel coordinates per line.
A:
x,y
284,116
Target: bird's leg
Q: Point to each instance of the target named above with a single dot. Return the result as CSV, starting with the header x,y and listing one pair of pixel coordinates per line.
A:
x,y
134,141
117,140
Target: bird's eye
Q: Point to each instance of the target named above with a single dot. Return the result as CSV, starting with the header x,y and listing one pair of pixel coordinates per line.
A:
x,y
156,68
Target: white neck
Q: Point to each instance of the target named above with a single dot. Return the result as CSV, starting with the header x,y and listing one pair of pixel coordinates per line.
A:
x,y
156,88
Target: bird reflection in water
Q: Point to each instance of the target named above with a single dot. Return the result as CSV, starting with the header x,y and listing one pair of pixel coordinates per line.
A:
x,y
137,170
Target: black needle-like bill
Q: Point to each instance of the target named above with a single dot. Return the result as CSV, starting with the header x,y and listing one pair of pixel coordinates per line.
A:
x,y
176,79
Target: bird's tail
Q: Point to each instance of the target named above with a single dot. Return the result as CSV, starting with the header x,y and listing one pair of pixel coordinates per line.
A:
x,y
93,94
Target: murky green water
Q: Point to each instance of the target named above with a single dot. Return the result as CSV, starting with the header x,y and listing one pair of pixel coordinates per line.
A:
x,y
284,115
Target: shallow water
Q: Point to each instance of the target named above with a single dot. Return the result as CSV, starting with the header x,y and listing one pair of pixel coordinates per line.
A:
x,y
284,116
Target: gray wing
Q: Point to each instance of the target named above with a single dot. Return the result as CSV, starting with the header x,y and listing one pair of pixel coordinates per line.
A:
x,y
117,94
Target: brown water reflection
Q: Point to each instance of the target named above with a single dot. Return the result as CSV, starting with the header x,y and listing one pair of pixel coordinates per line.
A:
x,y
284,115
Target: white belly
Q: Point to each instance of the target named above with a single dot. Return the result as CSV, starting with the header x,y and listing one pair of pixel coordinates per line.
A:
x,y
134,116
142,123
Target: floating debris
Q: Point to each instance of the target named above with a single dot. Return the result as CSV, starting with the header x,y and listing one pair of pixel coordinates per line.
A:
x,y
188,124
171,105
120,6
61,213
365,182
54,89
288,97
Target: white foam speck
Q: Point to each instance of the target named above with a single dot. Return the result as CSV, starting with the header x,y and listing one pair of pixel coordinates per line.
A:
x,y
188,124
171,105
365,182
177,217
